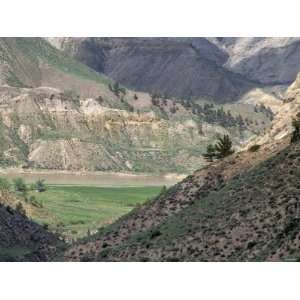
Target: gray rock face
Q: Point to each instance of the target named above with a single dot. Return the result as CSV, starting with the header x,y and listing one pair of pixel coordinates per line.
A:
x,y
178,67
220,68
267,60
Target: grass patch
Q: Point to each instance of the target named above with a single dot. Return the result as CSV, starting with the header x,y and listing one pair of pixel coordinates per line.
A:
x,y
76,210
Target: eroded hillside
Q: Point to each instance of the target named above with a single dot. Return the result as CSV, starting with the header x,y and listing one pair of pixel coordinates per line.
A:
x,y
20,238
56,113
125,131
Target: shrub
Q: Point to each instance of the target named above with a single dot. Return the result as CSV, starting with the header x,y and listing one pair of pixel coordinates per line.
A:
x,y
40,186
154,233
163,190
19,185
4,184
254,148
117,89
46,226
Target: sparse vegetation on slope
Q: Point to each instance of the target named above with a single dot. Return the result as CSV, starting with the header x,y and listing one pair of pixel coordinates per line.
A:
x,y
28,61
20,238
205,200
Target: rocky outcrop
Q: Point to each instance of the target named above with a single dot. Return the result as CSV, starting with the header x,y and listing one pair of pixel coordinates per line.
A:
x,y
268,60
177,67
216,68
45,128
282,124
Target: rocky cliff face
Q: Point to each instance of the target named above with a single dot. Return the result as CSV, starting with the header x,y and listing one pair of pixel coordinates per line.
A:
x,y
268,60
45,128
282,124
178,67
212,68
83,121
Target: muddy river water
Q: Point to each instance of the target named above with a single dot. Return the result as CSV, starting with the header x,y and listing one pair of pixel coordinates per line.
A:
x,y
100,179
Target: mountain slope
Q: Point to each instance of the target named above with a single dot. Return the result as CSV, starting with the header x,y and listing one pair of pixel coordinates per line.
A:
x,y
57,113
174,67
20,238
281,126
242,208
33,62
133,132
222,69
190,215
268,60
254,217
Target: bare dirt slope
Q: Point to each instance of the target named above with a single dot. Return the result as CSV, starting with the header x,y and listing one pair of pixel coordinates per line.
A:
x,y
46,128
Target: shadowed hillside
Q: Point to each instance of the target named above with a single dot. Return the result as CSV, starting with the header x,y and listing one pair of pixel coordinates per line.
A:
x,y
20,238
173,67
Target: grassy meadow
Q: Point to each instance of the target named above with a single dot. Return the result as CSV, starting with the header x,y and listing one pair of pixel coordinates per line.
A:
x,y
76,211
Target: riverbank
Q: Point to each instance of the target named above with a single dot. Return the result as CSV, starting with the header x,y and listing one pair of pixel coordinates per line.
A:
x,y
88,178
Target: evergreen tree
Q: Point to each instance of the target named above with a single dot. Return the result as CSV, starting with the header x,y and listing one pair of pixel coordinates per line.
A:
x,y
210,153
223,147
40,185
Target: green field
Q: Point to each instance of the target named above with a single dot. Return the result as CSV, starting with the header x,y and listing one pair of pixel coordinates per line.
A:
x,y
75,210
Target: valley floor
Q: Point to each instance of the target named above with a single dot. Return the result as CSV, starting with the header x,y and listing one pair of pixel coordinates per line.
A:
x,y
77,211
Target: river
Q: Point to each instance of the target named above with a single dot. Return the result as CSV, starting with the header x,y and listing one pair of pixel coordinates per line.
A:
x,y
100,179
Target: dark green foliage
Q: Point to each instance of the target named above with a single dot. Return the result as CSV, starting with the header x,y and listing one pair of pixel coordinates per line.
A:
x,y
4,184
117,89
210,153
20,185
154,233
163,190
40,186
254,148
223,147
296,125
211,114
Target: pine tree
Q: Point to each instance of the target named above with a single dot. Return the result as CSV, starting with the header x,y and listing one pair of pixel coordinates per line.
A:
x,y
223,147
296,133
40,185
210,153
